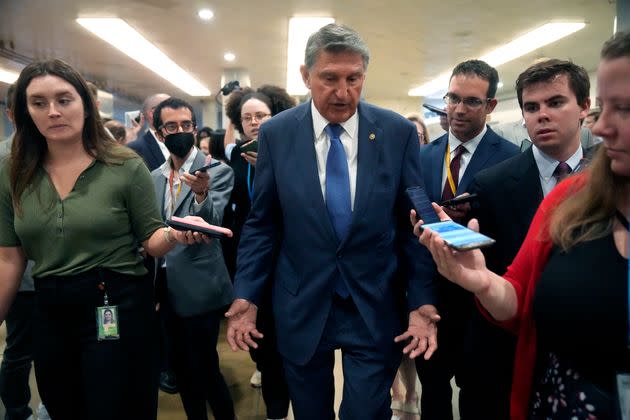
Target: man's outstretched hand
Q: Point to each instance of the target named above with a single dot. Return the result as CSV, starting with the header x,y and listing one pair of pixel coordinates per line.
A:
x,y
421,333
241,328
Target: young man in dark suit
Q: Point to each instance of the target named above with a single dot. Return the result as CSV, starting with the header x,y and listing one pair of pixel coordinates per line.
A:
x,y
329,226
554,97
449,164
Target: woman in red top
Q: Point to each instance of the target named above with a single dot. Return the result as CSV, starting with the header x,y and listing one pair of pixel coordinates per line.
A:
x,y
566,293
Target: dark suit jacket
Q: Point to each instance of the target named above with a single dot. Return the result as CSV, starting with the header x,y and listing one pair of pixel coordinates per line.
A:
x,y
491,150
147,147
508,196
198,281
289,220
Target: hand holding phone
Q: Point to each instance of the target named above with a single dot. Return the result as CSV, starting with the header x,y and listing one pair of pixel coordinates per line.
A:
x,y
204,168
455,235
180,223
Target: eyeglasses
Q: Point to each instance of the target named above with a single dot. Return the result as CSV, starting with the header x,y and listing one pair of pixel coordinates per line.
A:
x,y
173,127
472,102
259,116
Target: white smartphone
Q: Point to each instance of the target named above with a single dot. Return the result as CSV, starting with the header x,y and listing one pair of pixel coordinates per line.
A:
x,y
131,115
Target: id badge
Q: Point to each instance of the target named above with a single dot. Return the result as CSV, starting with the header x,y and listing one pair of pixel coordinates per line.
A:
x,y
107,323
623,392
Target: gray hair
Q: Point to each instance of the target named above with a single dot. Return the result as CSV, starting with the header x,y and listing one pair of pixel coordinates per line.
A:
x,y
335,38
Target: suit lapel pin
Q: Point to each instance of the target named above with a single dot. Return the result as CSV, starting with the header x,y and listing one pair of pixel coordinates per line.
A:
x,y
372,136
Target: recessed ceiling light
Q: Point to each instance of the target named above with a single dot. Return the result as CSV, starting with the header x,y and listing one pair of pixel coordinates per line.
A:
x,y
300,29
121,35
539,37
205,14
229,56
499,85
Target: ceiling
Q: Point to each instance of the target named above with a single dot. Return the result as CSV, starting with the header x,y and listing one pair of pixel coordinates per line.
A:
x,y
411,41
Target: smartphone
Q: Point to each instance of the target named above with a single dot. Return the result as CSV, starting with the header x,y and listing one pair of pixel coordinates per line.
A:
x,y
421,204
455,235
179,223
459,200
205,168
459,237
131,115
252,146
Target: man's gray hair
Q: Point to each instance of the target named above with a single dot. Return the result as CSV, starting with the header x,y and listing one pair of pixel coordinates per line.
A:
x,y
335,38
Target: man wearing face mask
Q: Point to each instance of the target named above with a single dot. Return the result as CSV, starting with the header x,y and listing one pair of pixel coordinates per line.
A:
x,y
195,282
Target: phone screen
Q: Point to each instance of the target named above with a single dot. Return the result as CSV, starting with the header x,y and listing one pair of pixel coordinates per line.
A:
x,y
458,236
421,204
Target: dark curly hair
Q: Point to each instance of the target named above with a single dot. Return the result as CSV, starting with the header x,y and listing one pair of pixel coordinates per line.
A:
x,y
276,98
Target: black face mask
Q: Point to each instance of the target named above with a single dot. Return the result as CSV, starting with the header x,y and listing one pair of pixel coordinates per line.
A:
x,y
179,144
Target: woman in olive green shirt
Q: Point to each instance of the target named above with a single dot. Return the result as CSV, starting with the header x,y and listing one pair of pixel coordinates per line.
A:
x,y
78,204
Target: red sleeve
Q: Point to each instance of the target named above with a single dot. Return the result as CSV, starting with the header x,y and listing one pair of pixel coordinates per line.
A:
x,y
530,261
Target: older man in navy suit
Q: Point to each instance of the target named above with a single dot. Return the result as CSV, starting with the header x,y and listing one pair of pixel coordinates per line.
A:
x,y
450,164
329,227
149,146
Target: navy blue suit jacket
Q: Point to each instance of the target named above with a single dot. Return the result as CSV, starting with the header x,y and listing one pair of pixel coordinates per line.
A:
x,y
146,146
289,238
491,150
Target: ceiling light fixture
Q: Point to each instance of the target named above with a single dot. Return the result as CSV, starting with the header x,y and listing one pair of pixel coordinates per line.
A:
x,y
8,76
121,35
539,37
300,28
205,14
228,56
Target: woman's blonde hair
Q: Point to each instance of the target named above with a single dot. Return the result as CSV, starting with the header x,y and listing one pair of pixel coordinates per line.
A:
x,y
587,213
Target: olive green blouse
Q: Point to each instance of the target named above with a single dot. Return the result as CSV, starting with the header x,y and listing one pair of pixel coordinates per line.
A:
x,y
110,210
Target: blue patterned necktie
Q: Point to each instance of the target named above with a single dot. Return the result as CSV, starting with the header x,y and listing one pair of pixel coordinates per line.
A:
x,y
338,192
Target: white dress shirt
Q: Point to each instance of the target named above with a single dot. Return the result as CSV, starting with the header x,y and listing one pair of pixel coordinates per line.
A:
x,y
470,145
350,141
546,166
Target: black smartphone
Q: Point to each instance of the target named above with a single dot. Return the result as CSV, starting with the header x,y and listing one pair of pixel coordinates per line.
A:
x,y
459,200
252,146
204,168
421,204
179,223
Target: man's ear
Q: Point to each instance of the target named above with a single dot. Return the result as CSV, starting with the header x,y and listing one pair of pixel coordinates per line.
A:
x,y
305,76
585,108
492,103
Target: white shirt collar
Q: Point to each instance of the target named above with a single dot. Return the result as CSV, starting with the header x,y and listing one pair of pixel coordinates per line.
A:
x,y
160,144
320,123
546,164
166,166
471,145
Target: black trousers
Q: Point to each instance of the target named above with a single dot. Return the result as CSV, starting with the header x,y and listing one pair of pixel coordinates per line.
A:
x,y
196,364
269,362
479,355
81,378
18,356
